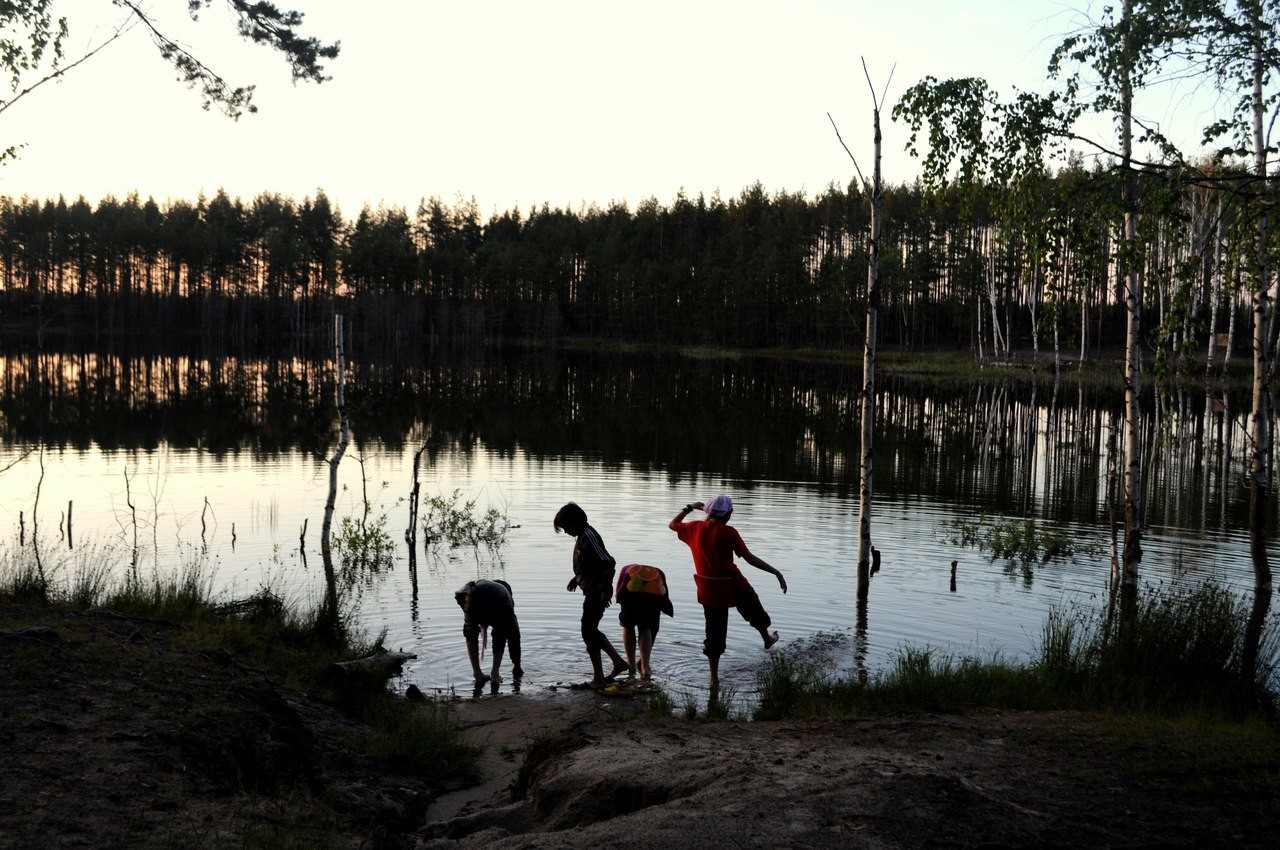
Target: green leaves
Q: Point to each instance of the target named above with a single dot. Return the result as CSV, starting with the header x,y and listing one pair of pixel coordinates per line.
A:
x,y
261,23
955,113
970,128
459,524
28,31
364,547
32,48
1009,538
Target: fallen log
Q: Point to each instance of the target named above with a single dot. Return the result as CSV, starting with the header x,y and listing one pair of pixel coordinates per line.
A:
x,y
377,668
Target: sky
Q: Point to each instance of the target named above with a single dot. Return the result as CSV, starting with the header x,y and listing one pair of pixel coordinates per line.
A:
x,y
515,104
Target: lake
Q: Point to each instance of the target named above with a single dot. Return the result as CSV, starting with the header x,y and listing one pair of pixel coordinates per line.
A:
x,y
187,460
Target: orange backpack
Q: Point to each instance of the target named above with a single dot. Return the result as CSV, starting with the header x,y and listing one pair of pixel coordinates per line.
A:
x,y
645,579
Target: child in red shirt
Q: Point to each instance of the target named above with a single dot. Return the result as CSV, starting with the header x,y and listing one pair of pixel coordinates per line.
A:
x,y
721,585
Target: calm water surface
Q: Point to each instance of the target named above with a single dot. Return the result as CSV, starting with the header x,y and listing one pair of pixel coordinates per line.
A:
x,y
527,438
255,516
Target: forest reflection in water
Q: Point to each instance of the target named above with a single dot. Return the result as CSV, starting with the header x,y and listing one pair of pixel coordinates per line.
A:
x,y
220,461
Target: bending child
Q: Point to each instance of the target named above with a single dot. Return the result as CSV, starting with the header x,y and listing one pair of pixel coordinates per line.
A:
x,y
489,604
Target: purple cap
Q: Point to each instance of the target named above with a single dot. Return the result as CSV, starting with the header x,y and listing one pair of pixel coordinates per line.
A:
x,y
721,505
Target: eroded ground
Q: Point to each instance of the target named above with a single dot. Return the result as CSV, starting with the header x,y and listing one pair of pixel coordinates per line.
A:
x,y
112,734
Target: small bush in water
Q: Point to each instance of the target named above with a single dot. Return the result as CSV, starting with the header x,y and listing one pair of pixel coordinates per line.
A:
x,y
455,522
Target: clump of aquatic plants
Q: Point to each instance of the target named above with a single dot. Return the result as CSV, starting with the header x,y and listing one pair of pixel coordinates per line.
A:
x,y
362,543
364,546
1022,540
460,524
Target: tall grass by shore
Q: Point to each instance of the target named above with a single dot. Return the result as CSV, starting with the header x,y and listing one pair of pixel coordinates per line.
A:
x,y
94,577
295,644
1174,654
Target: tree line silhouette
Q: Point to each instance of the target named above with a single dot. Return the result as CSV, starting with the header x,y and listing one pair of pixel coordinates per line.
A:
x,y
1011,448
759,270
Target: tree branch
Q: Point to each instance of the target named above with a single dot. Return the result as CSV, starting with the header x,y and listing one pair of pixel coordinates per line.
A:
x,y
213,87
862,179
58,72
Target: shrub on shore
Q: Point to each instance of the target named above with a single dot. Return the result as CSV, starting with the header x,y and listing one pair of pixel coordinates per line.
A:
x,y
1173,654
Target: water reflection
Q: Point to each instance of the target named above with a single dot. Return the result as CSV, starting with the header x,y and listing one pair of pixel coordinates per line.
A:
x,y
212,441
1022,450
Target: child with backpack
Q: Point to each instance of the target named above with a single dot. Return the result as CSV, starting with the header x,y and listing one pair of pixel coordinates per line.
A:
x,y
644,598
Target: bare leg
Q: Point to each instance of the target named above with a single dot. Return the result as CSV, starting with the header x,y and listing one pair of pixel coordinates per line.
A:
x,y
770,638
597,669
646,649
619,663
513,645
629,645
497,662
597,643
473,653
713,662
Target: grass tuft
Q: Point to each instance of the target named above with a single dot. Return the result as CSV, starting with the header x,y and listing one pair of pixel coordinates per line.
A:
x,y
418,737
1174,654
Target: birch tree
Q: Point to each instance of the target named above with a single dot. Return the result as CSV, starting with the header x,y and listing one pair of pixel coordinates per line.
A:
x,y
1237,39
1121,71
972,133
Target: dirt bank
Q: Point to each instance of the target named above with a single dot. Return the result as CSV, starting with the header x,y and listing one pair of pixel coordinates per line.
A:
x,y
582,777
113,734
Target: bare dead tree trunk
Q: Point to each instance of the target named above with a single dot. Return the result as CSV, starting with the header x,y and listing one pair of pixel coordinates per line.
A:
x,y
344,424
35,527
868,556
411,533
133,522
866,551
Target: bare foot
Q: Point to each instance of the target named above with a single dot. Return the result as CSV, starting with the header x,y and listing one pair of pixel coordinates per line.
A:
x,y
770,639
618,669
517,672
482,680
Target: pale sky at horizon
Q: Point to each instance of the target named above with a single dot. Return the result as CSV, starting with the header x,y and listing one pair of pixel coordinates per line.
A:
x,y
517,104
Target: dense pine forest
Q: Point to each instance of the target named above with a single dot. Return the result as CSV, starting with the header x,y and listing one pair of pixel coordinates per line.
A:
x,y
758,270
